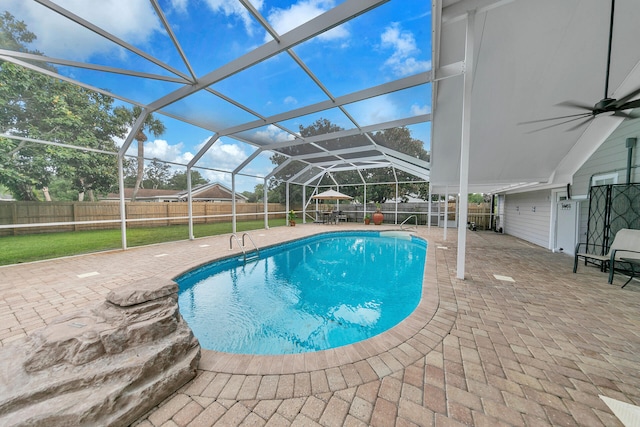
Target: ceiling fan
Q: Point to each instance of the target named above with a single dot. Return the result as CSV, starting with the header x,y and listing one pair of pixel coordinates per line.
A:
x,y
605,105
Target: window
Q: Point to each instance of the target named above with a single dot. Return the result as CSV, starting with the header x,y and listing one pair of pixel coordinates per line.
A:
x,y
605,179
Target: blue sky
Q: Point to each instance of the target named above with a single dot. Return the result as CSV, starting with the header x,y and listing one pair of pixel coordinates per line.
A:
x,y
388,43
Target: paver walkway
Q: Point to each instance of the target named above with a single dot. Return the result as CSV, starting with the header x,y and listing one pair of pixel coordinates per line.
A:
x,y
534,351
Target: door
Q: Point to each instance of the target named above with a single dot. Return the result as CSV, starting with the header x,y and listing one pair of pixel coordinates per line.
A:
x,y
566,225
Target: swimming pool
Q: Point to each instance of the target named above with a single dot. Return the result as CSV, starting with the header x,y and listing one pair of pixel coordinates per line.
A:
x,y
316,293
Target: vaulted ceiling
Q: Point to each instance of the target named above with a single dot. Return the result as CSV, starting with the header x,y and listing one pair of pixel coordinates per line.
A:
x,y
529,56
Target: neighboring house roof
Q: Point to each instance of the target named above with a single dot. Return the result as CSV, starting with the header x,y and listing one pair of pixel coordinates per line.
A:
x,y
211,191
204,192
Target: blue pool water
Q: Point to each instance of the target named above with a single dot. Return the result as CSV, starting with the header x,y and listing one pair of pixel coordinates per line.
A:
x,y
312,294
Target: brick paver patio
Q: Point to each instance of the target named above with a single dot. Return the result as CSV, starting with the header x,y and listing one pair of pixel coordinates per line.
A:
x,y
534,346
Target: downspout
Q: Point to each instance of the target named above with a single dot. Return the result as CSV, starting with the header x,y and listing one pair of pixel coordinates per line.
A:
x,y
631,143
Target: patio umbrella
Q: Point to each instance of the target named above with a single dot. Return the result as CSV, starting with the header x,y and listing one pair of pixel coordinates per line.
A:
x,y
331,195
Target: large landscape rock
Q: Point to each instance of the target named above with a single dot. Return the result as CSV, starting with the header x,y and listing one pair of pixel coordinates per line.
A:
x,y
104,366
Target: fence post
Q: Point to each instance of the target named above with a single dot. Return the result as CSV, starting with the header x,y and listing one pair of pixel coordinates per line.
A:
x,y
14,217
74,215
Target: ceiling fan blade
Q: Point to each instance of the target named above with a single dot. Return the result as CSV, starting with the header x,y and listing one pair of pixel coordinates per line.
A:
x,y
626,98
579,125
622,114
588,117
574,104
630,105
554,118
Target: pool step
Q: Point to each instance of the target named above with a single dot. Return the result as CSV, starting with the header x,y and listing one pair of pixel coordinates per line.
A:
x,y
254,256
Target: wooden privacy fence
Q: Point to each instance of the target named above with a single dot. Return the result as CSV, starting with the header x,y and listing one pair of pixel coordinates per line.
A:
x,y
73,216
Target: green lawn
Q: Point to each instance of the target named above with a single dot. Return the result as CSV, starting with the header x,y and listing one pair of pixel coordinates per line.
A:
x,y
35,247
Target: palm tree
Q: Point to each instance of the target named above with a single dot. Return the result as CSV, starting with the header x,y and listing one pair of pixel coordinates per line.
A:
x,y
156,128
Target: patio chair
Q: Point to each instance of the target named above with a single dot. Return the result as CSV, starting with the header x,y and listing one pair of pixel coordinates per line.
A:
x,y
333,219
626,244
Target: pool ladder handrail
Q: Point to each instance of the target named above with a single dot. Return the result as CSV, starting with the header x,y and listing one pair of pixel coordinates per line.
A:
x,y
408,218
242,245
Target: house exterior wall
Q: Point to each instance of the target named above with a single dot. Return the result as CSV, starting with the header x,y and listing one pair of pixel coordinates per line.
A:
x,y
528,215
609,159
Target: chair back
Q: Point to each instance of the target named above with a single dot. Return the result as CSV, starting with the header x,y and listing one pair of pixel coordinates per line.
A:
x,y
626,239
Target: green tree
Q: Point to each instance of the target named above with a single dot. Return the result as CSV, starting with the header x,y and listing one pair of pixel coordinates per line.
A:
x,y
14,35
130,171
179,180
62,190
150,125
157,173
37,106
398,139
256,196
475,198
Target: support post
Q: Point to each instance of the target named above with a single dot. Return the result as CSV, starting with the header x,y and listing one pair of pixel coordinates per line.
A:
x,y
286,214
396,215
123,210
464,145
446,211
190,204
266,204
364,204
234,227
304,204
429,210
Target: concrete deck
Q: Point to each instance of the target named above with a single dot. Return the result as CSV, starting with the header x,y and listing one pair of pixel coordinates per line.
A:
x,y
520,342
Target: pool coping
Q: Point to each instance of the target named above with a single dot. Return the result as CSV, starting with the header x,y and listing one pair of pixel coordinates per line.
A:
x,y
373,358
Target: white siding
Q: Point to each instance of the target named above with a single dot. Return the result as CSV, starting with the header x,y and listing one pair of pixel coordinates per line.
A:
x,y
527,216
610,156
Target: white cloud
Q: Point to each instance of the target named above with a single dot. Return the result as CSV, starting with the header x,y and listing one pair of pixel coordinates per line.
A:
x,y
402,61
290,100
382,110
179,5
216,177
234,7
57,38
162,150
272,134
417,110
222,155
284,20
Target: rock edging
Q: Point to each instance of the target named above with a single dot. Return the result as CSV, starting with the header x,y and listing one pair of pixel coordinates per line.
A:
x,y
107,365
